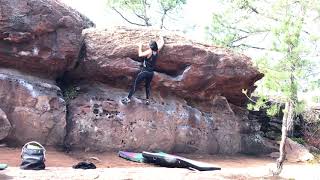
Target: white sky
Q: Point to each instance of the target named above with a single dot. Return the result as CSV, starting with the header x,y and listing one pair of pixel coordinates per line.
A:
x,y
194,15
193,18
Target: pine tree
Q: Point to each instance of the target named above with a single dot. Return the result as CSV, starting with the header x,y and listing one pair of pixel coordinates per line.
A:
x,y
284,24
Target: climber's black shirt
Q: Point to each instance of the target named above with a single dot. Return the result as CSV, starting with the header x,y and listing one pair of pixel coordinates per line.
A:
x,y
150,63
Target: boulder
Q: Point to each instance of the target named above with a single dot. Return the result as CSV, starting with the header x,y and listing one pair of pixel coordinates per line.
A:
x,y
40,37
98,121
34,108
252,140
273,135
296,152
247,125
186,69
5,125
255,144
275,126
193,89
312,149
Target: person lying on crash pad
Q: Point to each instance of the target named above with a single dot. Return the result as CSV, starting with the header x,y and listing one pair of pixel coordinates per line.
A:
x,y
146,73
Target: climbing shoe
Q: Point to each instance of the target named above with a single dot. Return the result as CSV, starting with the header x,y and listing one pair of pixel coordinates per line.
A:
x,y
125,100
147,102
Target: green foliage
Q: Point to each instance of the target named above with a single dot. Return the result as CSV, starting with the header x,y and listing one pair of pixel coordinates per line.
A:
x,y
250,106
140,4
299,140
261,102
147,12
300,107
273,110
278,138
316,159
284,22
285,25
227,32
127,4
316,99
315,84
171,4
70,93
221,35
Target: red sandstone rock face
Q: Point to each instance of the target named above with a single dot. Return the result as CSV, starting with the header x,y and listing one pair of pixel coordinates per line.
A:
x,y
98,121
187,69
40,37
192,87
5,125
34,109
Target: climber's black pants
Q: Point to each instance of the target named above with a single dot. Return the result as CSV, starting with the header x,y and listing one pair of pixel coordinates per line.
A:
x,y
142,75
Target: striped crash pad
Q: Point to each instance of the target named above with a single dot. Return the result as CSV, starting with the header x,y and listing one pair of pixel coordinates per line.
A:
x,y
131,156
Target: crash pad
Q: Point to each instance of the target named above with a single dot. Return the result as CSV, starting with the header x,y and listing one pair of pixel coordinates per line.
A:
x,y
3,166
131,156
173,161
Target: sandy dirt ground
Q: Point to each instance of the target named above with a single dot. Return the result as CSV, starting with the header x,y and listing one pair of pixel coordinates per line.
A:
x,y
110,166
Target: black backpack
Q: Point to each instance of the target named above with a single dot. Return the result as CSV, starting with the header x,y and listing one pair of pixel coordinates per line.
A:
x,y
33,156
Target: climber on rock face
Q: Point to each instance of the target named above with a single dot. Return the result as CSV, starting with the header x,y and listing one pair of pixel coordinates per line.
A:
x,y
146,73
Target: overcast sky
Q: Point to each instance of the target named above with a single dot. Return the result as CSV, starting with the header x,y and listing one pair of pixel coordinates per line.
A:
x,y
193,18
194,15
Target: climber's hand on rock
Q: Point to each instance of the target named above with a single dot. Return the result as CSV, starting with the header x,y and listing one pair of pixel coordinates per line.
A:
x,y
161,35
140,47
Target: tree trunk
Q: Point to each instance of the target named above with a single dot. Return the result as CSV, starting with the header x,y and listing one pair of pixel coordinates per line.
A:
x,y
162,18
287,117
294,99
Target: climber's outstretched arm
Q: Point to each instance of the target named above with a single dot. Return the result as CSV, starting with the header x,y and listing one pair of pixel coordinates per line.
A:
x,y
160,43
144,53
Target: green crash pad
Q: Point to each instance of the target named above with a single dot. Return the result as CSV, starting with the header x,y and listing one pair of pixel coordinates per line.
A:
x,y
135,157
131,156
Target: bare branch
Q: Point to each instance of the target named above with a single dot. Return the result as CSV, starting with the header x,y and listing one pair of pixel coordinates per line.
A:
x,y
234,28
242,30
167,15
162,17
306,32
146,19
138,15
253,9
249,46
126,18
312,74
239,39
